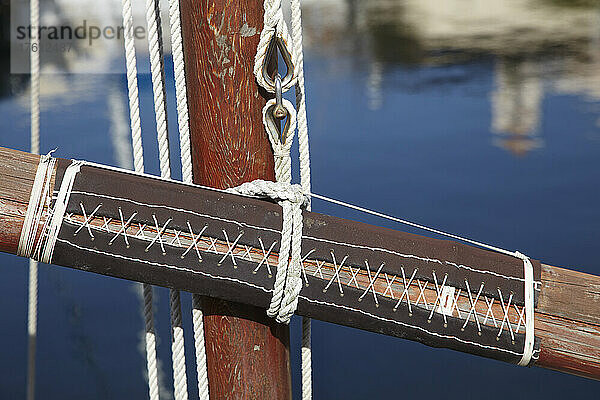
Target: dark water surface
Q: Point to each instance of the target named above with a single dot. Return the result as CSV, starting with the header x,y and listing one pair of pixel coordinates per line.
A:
x,y
484,122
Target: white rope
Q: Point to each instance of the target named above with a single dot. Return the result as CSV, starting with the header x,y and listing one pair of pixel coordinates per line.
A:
x,y
162,135
132,88
138,162
178,348
155,50
34,55
32,327
186,172
305,181
150,336
306,359
301,98
200,346
180,90
288,280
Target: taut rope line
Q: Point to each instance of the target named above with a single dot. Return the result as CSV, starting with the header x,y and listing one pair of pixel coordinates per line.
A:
x,y
155,51
162,134
305,181
186,172
138,163
34,55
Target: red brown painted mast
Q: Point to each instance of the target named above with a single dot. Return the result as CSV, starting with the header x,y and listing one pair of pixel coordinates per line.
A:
x,y
247,352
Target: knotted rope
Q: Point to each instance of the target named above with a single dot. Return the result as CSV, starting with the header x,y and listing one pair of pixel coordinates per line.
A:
x,y
275,35
288,280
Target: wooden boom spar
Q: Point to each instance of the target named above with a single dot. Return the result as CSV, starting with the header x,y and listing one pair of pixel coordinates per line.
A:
x,y
389,299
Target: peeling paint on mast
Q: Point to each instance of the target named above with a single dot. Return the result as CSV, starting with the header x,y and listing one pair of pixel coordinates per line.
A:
x,y
247,352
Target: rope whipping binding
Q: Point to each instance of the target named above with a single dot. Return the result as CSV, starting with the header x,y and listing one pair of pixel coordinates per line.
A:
x,y
138,162
32,298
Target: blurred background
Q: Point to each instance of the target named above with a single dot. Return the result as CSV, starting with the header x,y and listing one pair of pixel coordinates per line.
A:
x,y
477,117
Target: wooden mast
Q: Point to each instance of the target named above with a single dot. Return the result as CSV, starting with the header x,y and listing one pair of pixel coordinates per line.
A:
x,y
247,353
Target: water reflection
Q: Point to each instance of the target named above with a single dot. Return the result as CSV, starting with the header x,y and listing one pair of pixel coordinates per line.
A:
x,y
536,46
516,106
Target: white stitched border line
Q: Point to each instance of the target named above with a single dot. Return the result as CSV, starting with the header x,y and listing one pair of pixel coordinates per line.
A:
x,y
303,297
171,236
224,278
241,224
426,259
530,284
320,302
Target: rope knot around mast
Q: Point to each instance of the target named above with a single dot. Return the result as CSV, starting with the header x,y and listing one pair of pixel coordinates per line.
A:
x,y
278,191
288,280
